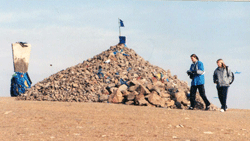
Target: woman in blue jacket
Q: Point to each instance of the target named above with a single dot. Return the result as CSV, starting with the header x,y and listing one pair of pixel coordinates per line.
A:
x,y
196,73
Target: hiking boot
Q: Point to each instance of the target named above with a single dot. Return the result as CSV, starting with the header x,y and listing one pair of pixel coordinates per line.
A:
x,y
224,108
207,108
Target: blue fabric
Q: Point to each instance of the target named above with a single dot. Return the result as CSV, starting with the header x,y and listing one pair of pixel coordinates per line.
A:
x,y
100,74
122,39
125,54
198,79
121,23
129,69
123,82
18,83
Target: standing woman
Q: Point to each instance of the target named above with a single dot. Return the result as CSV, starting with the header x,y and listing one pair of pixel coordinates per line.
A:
x,y
196,73
223,78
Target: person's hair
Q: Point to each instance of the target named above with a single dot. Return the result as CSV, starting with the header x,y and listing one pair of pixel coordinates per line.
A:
x,y
223,64
194,55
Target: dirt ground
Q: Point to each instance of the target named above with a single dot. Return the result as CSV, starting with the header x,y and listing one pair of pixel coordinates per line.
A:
x,y
42,121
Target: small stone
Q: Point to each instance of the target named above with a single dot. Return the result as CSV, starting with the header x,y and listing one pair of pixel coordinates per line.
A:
x,y
181,125
129,102
208,132
244,129
170,103
7,112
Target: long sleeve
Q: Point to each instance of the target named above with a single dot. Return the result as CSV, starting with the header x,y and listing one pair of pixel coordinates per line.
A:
x,y
200,69
215,78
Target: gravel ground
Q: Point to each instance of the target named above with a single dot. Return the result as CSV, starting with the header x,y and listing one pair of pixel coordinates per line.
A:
x,y
45,120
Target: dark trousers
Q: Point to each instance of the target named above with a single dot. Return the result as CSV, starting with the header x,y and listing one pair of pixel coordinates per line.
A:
x,y
222,93
202,94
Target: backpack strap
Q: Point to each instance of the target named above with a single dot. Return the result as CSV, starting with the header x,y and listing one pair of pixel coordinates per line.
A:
x,y
228,75
227,71
232,78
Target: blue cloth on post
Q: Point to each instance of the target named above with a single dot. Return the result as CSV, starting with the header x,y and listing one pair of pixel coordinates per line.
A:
x,y
19,83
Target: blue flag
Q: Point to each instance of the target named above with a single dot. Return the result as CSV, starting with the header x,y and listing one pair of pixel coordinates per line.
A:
x,y
121,23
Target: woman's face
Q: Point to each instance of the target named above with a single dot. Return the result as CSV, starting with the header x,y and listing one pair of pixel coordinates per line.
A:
x,y
193,59
219,63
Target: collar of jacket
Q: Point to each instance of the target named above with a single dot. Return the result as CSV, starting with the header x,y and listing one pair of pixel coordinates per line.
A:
x,y
220,69
196,62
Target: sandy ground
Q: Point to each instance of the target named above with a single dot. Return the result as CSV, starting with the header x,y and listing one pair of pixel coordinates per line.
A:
x,y
35,120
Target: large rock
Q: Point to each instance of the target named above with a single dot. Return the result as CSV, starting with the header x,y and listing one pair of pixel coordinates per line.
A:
x,y
182,98
116,97
143,90
103,98
156,100
140,100
133,88
170,103
131,96
123,87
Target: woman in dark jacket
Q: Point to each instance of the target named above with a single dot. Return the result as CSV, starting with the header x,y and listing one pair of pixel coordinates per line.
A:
x,y
222,77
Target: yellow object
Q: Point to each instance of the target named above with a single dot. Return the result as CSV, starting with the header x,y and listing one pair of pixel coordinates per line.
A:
x,y
159,76
26,84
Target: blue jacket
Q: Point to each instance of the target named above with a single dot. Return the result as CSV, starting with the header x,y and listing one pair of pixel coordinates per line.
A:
x,y
198,70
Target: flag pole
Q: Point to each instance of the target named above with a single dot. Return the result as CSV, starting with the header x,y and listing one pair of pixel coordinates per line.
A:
x,y
119,31
119,27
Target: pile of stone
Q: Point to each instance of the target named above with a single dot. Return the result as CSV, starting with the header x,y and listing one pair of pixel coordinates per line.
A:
x,y
117,75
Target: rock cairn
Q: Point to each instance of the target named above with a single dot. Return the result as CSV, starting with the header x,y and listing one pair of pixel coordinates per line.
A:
x,y
117,75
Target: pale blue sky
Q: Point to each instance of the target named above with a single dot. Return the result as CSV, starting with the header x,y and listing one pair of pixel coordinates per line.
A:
x,y
65,33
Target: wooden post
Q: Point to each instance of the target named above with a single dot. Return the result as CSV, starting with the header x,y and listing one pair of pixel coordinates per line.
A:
x,y
21,56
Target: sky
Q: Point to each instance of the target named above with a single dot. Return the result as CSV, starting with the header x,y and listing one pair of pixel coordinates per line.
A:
x,y
64,33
